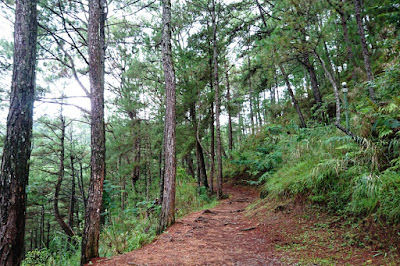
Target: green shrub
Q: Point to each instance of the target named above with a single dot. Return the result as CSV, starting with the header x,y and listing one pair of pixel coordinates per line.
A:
x,y
330,170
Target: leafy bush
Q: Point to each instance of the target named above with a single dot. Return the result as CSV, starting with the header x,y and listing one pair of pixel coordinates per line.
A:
x,y
36,258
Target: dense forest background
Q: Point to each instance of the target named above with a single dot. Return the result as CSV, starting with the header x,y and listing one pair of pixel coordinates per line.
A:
x,y
301,97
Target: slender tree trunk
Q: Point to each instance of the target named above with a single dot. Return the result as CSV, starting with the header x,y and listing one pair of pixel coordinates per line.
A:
x,y
217,102
229,109
148,166
17,144
36,237
334,84
313,78
201,165
294,101
48,234
64,226
167,217
96,45
80,185
212,117
31,240
241,128
189,162
161,173
136,131
202,162
150,161
251,98
212,147
122,183
72,198
343,19
367,61
42,226
258,113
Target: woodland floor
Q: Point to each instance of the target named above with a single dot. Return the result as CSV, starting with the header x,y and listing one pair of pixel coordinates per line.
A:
x,y
269,234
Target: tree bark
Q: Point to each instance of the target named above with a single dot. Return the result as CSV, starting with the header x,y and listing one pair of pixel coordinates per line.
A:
x,y
294,101
96,43
367,61
217,101
167,217
17,144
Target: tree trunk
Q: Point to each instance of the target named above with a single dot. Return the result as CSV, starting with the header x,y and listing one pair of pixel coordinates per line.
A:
x,y
48,234
122,182
64,226
229,109
80,185
241,128
42,227
294,101
367,62
337,99
72,198
313,78
212,147
96,45
136,132
212,116
258,113
17,144
251,98
217,102
167,217
343,19
148,166
189,162
201,165
161,174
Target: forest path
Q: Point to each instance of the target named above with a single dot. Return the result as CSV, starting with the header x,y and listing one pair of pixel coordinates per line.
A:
x,y
285,232
220,236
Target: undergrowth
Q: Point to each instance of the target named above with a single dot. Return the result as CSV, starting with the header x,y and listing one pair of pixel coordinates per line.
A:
x,y
128,229
328,169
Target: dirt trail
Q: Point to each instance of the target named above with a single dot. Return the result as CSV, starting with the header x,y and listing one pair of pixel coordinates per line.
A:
x,y
222,235
282,233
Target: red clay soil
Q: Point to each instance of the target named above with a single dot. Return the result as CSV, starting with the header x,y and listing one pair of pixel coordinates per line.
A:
x,y
223,235
267,235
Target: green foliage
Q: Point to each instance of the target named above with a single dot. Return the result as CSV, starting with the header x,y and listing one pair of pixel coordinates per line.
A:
x,y
68,253
328,169
36,258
